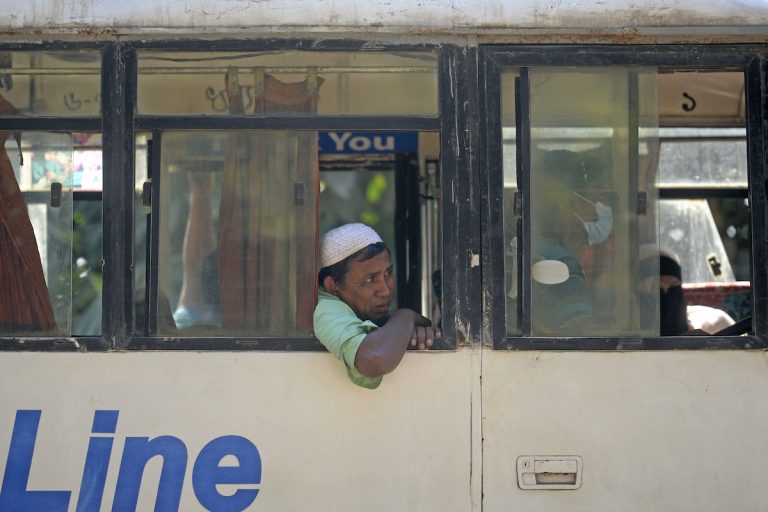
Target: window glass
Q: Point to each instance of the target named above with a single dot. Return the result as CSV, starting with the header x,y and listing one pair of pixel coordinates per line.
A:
x,y
237,232
63,83
703,157
238,223
697,97
36,234
593,153
512,227
348,82
87,277
80,167
141,228
688,231
731,216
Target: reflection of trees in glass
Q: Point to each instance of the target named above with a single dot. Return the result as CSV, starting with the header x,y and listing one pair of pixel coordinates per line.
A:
x,y
359,196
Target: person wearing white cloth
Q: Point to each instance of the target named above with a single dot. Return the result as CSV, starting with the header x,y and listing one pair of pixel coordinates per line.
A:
x,y
352,318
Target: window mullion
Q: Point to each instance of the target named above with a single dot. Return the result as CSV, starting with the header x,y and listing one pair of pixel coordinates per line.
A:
x,y
118,98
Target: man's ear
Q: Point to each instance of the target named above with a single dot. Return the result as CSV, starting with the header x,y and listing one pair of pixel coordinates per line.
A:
x,y
330,285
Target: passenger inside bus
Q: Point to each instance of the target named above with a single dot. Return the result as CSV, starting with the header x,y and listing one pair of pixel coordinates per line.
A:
x,y
676,316
352,318
573,220
199,297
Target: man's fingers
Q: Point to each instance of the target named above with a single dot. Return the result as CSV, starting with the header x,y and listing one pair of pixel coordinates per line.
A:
x,y
423,337
422,321
420,335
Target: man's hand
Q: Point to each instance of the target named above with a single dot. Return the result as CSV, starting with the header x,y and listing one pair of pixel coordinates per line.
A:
x,y
383,348
423,333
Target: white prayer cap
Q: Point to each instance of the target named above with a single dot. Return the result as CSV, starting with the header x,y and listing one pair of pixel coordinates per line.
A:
x,y
345,241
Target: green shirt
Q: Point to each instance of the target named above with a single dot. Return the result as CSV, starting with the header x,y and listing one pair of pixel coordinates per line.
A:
x,y
341,331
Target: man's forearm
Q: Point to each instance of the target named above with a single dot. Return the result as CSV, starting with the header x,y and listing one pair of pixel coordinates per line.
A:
x,y
382,350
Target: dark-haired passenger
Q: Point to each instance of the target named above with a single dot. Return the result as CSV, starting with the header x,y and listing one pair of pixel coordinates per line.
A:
x,y
352,318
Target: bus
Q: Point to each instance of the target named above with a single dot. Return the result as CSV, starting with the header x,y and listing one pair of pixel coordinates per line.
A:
x,y
543,175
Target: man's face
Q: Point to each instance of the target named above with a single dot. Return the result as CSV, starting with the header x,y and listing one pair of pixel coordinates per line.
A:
x,y
368,288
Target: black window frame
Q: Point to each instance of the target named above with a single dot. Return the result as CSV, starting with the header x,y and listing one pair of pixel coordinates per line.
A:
x,y
748,58
119,122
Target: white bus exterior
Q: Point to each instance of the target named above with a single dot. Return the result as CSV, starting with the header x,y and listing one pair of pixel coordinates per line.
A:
x,y
125,420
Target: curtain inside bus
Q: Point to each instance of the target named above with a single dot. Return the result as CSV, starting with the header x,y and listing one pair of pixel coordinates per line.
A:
x,y
268,213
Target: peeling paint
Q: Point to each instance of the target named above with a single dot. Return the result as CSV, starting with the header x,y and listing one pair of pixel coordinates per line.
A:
x,y
461,331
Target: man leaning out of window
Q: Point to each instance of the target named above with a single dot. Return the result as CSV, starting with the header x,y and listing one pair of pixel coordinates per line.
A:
x,y
352,318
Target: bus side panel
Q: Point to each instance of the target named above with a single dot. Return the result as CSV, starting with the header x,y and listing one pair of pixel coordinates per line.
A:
x,y
324,444
656,431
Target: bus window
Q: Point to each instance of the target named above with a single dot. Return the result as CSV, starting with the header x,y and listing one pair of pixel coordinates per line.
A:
x,y
226,240
236,231
596,227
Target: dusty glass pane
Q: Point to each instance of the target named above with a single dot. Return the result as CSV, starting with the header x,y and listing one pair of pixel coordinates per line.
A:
x,y
688,231
62,83
511,220
35,237
593,147
237,240
703,157
345,82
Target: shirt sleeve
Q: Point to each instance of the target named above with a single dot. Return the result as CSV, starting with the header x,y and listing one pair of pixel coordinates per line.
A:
x,y
341,332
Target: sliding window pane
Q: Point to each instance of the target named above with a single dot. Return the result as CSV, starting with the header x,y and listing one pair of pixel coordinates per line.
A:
x,y
35,236
237,232
593,220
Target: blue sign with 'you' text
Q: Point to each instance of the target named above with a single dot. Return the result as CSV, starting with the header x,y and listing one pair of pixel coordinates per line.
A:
x,y
368,142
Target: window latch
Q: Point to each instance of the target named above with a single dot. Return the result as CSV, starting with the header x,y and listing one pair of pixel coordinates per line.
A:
x,y
56,194
517,204
146,194
642,203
